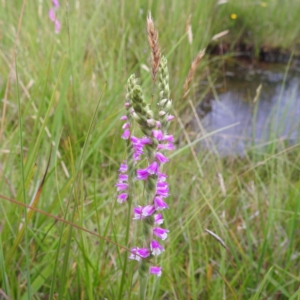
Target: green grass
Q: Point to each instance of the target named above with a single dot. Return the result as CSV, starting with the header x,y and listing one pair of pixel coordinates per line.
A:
x,y
71,90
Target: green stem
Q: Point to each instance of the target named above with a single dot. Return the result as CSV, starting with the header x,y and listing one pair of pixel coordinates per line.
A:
x,y
126,243
143,287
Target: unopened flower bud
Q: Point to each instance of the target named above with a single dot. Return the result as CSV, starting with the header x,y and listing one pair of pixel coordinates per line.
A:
x,y
163,102
151,122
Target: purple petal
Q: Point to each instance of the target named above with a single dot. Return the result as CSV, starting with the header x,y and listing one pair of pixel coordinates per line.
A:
x,y
162,192
155,271
156,248
138,213
157,134
121,186
135,140
162,184
138,253
162,177
170,118
161,233
169,138
133,254
141,212
143,252
122,197
146,140
161,158
138,148
125,126
126,134
123,177
148,210
136,157
153,168
142,174
123,118
55,3
123,167
52,15
168,146
158,219
160,204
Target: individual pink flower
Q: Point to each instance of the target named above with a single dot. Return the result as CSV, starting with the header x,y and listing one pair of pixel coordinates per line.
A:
x,y
138,148
142,212
153,168
160,204
142,174
156,248
162,177
125,126
139,253
123,167
145,140
161,158
52,14
162,189
148,210
55,3
155,271
123,177
121,186
169,138
126,134
138,212
161,233
122,197
168,146
157,134
158,219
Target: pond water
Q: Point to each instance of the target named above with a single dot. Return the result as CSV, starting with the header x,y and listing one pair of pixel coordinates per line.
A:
x,y
274,117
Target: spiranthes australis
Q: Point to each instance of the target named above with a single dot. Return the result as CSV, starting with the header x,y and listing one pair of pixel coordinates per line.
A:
x,y
150,147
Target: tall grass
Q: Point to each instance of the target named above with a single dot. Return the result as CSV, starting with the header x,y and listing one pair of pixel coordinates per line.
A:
x,y
70,87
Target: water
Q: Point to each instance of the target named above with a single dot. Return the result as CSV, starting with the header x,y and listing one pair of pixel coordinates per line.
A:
x,y
275,117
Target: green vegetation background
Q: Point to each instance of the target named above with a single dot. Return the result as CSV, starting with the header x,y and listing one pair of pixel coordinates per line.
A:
x,y
66,93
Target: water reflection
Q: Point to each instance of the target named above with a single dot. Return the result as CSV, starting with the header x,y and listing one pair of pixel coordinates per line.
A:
x,y
274,116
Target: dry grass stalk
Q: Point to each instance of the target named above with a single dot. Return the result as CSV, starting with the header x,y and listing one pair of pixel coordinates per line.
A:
x,y
216,237
257,94
154,46
188,29
219,35
192,70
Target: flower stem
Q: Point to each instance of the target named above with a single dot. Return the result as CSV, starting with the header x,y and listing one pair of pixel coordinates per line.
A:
x,y
143,280
128,222
143,288
120,296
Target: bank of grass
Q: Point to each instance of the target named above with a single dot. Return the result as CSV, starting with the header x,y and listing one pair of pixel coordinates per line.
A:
x,y
75,81
261,24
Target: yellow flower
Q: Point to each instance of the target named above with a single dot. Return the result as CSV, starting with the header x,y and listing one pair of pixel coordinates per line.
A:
x,y
233,16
